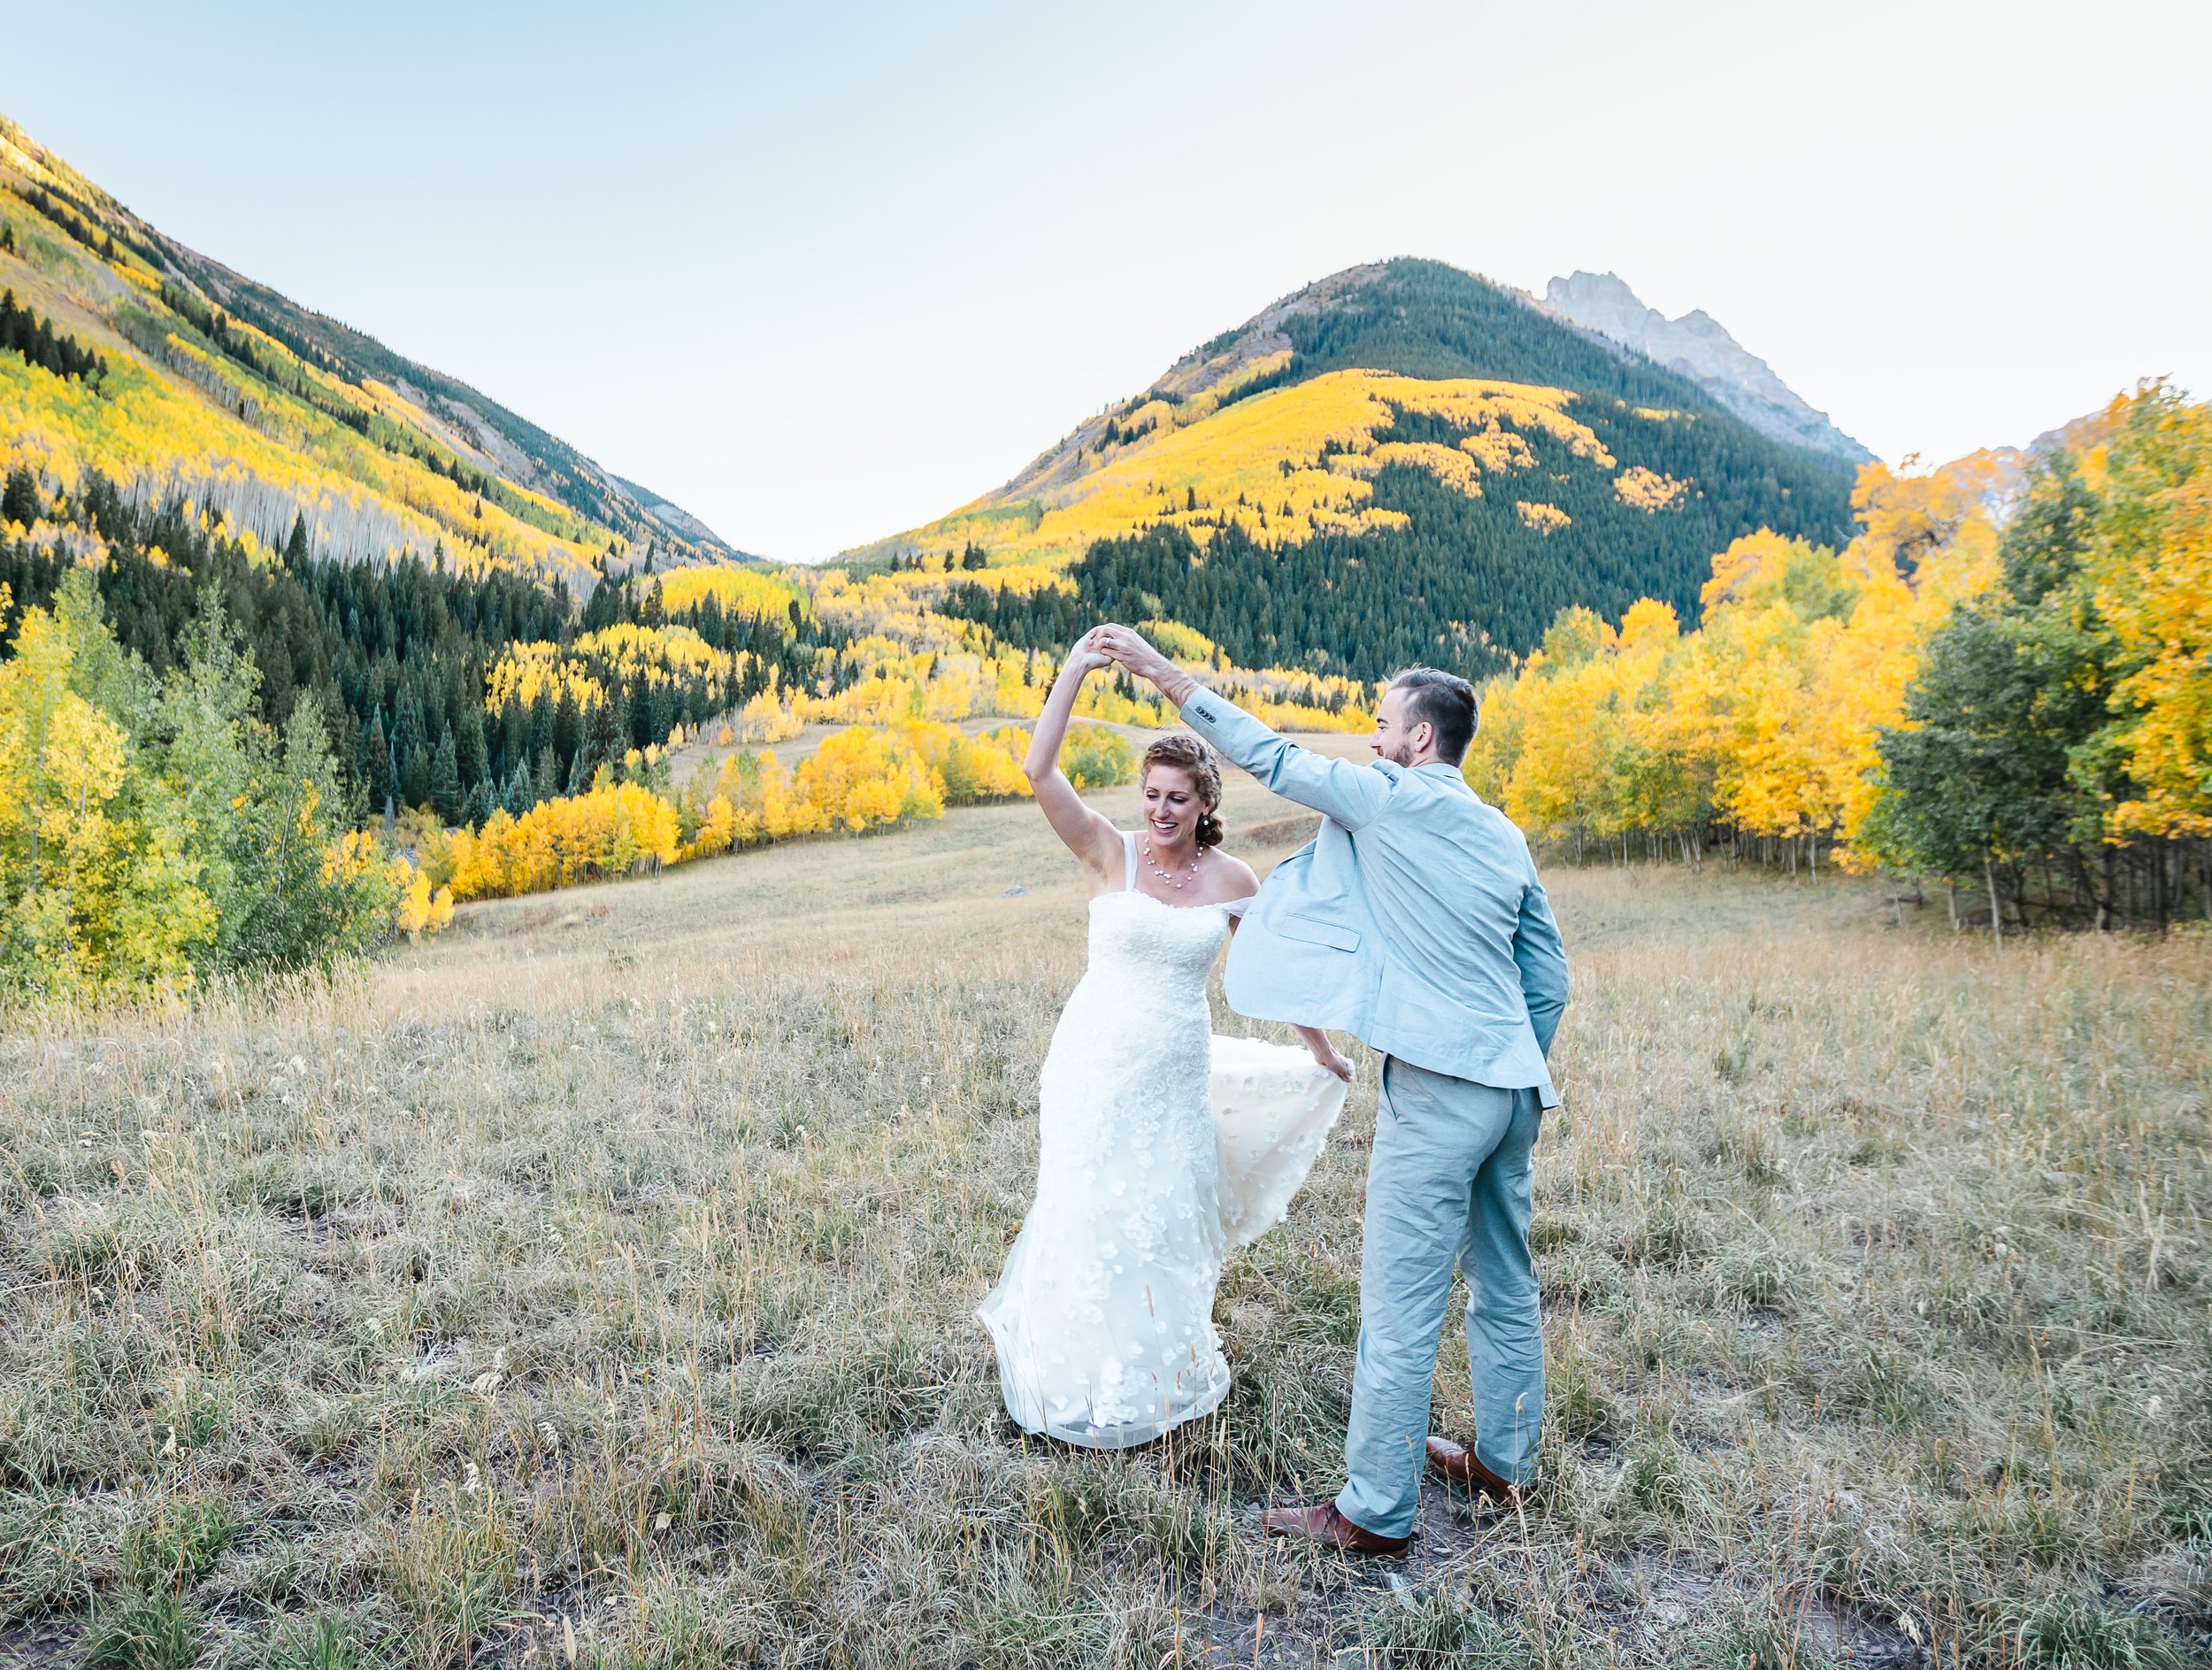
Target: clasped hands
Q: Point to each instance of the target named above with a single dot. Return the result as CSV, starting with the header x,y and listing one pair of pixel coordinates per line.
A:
x,y
1111,645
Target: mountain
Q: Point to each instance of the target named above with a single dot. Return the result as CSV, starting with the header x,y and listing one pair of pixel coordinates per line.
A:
x,y
1400,462
677,518
1697,346
223,391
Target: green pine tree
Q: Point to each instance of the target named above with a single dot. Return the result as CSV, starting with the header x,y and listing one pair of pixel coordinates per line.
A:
x,y
376,757
20,499
471,754
606,735
568,727
411,750
445,780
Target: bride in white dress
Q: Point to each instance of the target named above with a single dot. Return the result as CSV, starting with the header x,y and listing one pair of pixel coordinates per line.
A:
x,y
1160,1147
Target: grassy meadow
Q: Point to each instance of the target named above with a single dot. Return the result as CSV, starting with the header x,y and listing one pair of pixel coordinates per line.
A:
x,y
592,1286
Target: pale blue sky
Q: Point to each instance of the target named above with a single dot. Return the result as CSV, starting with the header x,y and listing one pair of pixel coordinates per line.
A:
x,y
821,273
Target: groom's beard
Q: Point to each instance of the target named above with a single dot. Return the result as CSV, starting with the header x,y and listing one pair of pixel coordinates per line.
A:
x,y
1401,754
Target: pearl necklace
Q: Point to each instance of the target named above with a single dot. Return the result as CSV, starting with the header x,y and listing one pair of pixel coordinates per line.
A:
x,y
1145,846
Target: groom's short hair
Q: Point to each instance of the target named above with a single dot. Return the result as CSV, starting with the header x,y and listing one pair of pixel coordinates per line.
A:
x,y
1445,701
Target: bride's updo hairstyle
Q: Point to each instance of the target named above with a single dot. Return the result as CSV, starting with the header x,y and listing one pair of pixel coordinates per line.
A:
x,y
1195,761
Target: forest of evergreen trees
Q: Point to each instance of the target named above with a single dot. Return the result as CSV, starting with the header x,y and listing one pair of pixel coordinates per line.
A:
x,y
397,655
25,333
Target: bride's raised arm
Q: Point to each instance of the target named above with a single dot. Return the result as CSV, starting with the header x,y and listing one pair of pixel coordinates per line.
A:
x,y
1094,841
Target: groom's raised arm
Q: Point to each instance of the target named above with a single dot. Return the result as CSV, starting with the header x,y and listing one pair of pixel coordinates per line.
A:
x,y
1337,789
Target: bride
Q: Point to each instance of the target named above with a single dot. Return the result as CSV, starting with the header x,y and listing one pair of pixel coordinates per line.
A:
x,y
1160,1147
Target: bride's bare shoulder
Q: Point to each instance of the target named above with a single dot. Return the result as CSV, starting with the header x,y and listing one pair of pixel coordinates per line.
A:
x,y
1236,880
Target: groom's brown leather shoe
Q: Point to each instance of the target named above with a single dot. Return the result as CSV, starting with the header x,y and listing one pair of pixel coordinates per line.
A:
x,y
1458,1463
1323,1524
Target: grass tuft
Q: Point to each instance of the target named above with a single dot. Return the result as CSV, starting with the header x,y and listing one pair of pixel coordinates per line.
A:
x,y
142,1629
2065,1632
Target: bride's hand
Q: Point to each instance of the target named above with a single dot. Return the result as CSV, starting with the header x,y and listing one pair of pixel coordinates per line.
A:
x,y
1089,656
1329,1058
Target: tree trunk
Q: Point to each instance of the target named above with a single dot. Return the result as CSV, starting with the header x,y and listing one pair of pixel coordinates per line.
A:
x,y
1996,910
2088,885
38,759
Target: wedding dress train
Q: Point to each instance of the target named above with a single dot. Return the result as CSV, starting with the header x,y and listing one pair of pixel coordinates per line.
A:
x,y
1161,1148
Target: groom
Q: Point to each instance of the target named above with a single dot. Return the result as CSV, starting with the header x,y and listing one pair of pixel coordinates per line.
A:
x,y
1414,921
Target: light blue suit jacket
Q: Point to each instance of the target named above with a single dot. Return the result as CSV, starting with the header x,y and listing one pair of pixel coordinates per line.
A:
x,y
1414,921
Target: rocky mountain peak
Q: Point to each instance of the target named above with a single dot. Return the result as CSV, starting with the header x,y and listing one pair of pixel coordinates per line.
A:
x,y
1699,347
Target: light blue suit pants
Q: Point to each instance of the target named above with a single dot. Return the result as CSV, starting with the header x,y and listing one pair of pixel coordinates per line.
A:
x,y
1448,1183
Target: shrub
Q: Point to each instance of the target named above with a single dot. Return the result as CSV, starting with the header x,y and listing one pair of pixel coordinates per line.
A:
x,y
1095,757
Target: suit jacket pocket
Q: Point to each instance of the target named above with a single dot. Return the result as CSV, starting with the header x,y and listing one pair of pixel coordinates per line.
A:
x,y
1316,932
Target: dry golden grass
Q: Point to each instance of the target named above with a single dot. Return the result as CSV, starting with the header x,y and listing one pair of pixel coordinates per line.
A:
x,y
594,1285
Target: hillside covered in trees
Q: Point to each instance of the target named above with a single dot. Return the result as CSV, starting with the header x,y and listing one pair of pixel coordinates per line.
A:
x,y
433,682
178,378
1403,462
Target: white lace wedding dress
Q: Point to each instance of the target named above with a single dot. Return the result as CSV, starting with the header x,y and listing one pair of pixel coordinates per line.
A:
x,y
1161,1148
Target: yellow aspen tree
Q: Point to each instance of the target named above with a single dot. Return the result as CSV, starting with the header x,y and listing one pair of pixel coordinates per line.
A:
x,y
2151,570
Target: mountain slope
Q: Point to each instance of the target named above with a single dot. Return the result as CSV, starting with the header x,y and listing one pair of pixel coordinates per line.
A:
x,y
1402,461
225,391
1697,346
